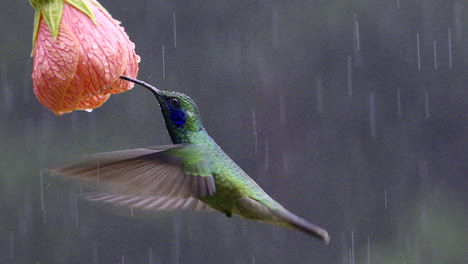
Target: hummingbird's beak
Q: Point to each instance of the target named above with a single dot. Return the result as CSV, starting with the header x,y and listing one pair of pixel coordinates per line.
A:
x,y
153,89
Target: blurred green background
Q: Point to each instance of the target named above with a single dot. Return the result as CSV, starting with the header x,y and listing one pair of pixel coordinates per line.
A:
x,y
324,103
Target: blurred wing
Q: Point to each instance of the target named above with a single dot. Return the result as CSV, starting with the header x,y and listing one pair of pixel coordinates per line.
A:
x,y
158,172
147,202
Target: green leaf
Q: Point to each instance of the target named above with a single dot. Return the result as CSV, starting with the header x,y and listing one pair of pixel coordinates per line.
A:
x,y
37,19
83,6
36,4
52,12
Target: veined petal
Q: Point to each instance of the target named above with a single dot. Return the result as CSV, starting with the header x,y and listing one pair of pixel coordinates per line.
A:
x,y
131,70
54,66
104,56
91,102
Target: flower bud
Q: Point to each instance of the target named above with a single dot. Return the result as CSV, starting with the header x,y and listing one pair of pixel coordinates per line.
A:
x,y
79,52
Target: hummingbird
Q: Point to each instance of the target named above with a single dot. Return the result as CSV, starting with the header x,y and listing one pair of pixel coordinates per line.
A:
x,y
192,173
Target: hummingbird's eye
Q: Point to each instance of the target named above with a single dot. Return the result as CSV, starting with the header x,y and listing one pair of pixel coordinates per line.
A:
x,y
175,102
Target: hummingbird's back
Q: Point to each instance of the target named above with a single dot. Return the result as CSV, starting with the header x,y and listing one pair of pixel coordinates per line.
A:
x,y
231,181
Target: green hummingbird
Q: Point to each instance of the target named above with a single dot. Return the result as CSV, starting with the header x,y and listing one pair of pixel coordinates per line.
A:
x,y
193,173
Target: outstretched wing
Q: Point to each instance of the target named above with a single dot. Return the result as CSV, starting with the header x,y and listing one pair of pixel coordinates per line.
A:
x,y
173,172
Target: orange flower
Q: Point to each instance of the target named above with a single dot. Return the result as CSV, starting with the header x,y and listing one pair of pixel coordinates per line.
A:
x,y
79,56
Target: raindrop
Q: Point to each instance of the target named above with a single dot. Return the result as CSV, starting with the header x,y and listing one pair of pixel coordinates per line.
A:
x,y
89,110
426,103
385,198
43,210
372,114
175,29
150,256
352,247
398,4
123,259
253,259
418,51
131,210
267,158
368,250
163,63
399,102
254,127
318,85
450,47
97,173
350,256
350,76
76,211
435,54
41,184
356,33
190,234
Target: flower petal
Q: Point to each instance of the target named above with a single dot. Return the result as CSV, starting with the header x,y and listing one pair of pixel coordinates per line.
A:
x,y
101,49
91,102
54,67
131,70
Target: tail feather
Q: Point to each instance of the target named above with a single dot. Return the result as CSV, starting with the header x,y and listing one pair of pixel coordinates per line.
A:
x,y
302,224
253,209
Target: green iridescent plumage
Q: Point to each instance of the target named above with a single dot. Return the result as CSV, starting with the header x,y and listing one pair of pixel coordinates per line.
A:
x,y
193,173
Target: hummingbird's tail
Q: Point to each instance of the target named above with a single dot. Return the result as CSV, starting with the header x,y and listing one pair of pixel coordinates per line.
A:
x,y
295,221
274,213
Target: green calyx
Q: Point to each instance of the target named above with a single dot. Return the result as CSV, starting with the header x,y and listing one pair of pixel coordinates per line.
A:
x,y
52,10
83,6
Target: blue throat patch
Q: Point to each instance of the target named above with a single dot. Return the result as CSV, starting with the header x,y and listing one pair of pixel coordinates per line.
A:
x,y
178,117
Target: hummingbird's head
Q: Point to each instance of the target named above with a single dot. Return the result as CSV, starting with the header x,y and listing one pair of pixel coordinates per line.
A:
x,y
180,111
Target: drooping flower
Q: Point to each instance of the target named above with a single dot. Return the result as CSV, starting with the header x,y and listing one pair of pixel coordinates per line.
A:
x,y
79,52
